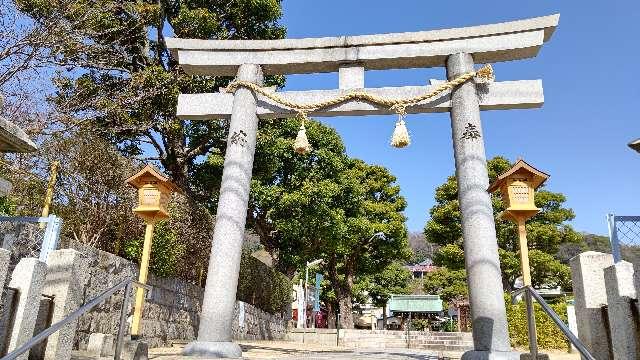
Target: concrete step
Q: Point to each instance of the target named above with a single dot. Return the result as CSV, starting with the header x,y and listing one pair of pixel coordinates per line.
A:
x,y
456,348
429,336
412,338
403,334
83,355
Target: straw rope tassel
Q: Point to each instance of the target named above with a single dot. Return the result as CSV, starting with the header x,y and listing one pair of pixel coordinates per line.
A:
x,y
301,144
485,74
400,137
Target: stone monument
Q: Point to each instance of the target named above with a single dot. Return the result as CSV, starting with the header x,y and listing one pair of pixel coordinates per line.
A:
x,y
458,50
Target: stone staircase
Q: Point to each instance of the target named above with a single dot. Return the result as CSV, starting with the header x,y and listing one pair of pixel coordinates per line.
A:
x,y
387,339
350,339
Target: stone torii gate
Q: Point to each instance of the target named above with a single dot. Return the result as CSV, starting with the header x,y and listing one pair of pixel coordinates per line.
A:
x,y
456,49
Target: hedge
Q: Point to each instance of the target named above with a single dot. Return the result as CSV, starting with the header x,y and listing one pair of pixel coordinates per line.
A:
x,y
263,286
549,336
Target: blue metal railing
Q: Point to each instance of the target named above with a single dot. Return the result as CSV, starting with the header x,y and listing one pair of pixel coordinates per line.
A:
x,y
624,232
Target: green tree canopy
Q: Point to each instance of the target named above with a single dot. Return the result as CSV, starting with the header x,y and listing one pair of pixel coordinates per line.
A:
x,y
374,205
393,280
451,285
546,232
118,79
122,81
320,205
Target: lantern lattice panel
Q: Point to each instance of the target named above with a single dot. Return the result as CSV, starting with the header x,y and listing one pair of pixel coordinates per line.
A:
x,y
150,197
520,193
625,238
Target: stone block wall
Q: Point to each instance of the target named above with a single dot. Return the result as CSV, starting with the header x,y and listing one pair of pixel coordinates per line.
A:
x,y
22,239
251,323
171,312
606,305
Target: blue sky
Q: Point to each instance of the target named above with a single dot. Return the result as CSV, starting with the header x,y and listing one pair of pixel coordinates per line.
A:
x,y
579,136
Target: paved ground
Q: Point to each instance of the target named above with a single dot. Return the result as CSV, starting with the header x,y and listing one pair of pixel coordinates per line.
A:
x,y
293,351
262,350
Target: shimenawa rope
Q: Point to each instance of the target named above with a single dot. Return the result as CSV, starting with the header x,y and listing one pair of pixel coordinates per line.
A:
x,y
400,136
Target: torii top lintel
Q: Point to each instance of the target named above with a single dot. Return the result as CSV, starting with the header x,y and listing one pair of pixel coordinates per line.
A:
x,y
487,43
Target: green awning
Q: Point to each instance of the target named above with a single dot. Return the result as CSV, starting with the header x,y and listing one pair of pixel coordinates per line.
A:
x,y
415,303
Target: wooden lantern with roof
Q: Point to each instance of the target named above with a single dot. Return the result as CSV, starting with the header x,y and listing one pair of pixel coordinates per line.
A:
x,y
154,193
517,187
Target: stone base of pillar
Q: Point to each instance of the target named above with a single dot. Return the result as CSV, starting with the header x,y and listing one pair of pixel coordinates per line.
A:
x,y
492,355
213,349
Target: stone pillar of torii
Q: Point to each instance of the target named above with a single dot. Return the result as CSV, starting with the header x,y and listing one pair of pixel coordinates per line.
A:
x,y
457,49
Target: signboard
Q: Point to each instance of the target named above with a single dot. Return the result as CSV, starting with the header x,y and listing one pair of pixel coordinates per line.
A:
x,y
316,299
415,303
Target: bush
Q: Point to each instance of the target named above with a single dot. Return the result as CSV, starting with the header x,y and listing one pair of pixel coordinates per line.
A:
x,y
166,250
7,206
450,326
420,324
263,286
258,284
548,334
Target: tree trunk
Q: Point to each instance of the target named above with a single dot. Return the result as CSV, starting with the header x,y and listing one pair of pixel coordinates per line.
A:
x,y
346,313
331,315
332,276
384,316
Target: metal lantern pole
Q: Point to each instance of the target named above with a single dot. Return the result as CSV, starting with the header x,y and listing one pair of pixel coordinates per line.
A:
x,y
524,252
338,326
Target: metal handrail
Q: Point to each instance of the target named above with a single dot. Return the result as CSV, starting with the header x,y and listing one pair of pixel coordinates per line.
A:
x,y
556,319
81,311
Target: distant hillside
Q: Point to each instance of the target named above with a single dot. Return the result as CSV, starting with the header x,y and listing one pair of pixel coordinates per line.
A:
x,y
422,250
590,242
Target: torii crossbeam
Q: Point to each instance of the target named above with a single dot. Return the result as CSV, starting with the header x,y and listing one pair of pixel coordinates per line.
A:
x,y
456,49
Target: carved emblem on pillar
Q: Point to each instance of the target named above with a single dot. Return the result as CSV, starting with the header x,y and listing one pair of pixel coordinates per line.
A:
x,y
471,132
239,138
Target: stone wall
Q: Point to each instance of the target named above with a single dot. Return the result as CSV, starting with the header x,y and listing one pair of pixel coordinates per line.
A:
x,y
23,239
171,312
251,323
